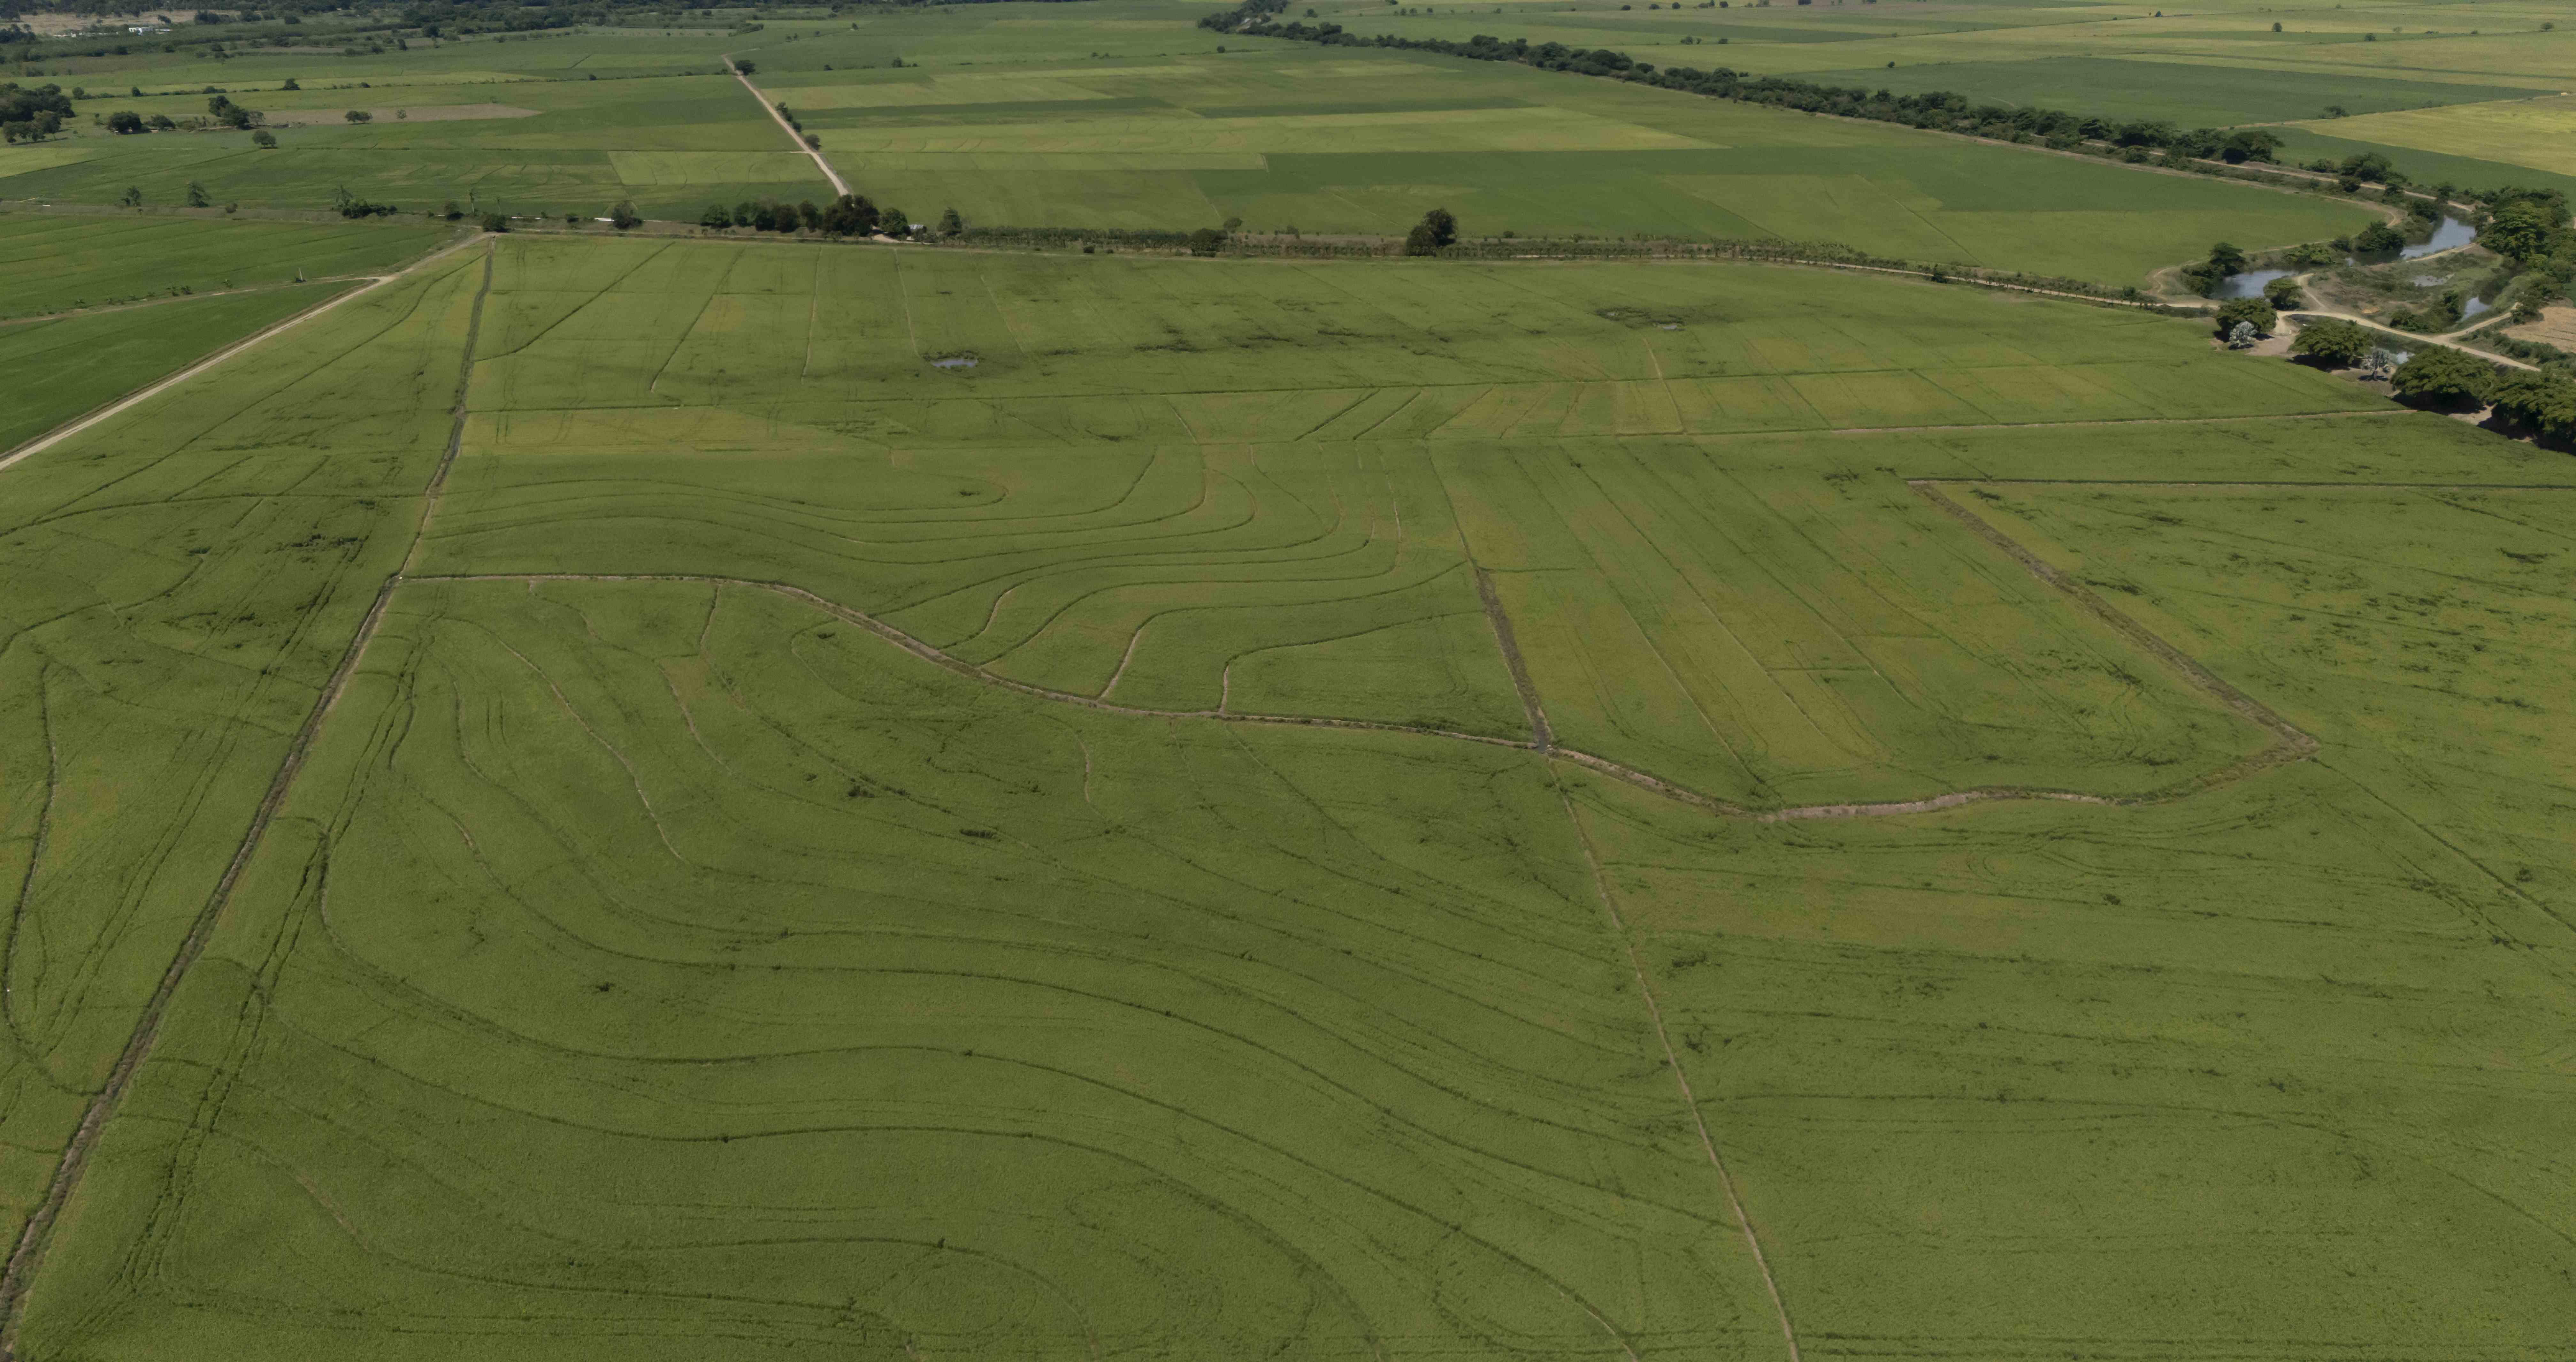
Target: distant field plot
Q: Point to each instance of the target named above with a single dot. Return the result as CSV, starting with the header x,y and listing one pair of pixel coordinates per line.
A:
x,y
562,143
2537,133
2191,95
1328,141
1315,810
2232,64
51,262
1121,114
2306,142
62,367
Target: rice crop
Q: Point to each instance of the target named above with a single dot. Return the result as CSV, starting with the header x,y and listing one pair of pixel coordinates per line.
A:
x,y
1390,810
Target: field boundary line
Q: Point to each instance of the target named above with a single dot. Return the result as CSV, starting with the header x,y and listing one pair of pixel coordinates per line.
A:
x,y
101,309
839,185
1616,770
1672,1061
2282,485
26,1258
2296,742
163,384
1540,735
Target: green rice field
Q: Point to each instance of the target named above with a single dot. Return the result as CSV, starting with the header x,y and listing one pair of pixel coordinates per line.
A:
x,y
744,799
61,367
58,262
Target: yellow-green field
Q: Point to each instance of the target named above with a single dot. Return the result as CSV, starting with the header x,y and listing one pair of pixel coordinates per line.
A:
x,y
2539,133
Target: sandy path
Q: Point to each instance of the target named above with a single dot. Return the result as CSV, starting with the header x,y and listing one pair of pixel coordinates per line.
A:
x,y
839,185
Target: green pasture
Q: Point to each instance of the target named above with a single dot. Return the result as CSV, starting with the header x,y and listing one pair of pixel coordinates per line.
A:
x,y
828,853
56,262
61,367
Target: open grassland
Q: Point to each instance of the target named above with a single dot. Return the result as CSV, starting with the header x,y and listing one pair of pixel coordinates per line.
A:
x,y
55,262
1121,115
2215,66
1292,810
62,367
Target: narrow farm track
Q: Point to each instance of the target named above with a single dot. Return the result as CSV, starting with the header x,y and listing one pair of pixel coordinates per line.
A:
x,y
265,334
27,1256
839,185
67,313
1681,1078
2295,743
2446,338
1540,736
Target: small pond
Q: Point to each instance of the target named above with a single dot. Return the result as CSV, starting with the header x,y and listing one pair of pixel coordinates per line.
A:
x,y
2249,284
2474,306
2452,232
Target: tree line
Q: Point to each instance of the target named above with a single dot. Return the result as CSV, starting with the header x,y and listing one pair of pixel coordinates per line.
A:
x,y
1937,110
847,215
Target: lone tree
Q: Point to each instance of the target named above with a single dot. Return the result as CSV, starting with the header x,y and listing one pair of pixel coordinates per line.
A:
x,y
125,122
2444,377
2224,259
359,116
849,215
950,224
1438,228
744,65
623,216
2283,294
2333,343
264,140
2253,312
196,195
